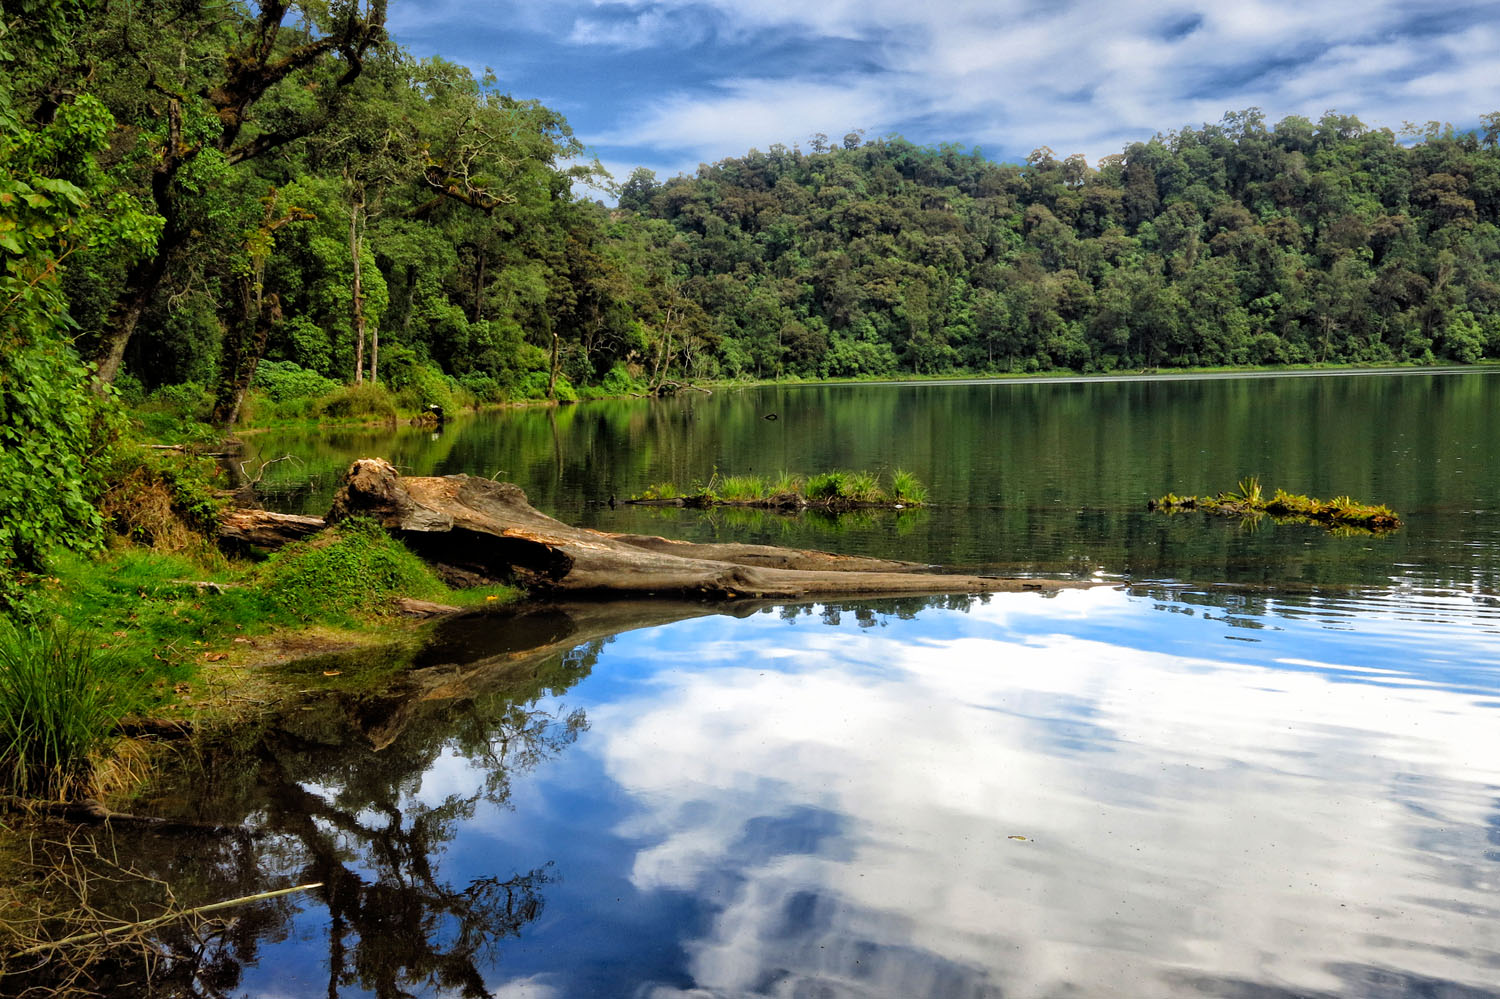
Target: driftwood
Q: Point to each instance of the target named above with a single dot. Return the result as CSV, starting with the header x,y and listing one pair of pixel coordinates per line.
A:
x,y
475,531
263,529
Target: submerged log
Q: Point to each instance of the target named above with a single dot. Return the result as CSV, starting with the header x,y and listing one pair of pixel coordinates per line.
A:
x,y
474,531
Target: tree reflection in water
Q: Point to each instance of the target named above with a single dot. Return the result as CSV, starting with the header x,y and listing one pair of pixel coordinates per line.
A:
x,y
329,791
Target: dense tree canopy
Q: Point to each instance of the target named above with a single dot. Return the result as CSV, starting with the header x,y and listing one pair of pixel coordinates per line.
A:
x,y
1236,243
345,212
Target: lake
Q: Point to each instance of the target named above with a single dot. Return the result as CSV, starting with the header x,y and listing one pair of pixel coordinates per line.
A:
x,y
1265,764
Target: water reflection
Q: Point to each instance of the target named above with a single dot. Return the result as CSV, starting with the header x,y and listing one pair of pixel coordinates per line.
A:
x,y
1190,821
1031,478
1096,794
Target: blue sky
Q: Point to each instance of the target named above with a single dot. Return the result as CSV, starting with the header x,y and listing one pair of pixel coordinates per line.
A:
x,y
670,84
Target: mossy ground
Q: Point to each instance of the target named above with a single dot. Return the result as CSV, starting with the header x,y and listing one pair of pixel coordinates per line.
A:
x,y
199,633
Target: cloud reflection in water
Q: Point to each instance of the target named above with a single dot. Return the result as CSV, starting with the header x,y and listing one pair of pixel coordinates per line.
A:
x,y
1194,812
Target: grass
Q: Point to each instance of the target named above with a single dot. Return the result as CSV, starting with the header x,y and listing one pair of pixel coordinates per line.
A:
x,y
1248,501
835,490
61,696
180,619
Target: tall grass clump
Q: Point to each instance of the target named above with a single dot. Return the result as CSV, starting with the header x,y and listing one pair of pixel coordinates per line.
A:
x,y
60,699
905,488
827,486
741,488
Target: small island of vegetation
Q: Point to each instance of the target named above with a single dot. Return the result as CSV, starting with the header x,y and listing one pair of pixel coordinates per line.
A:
x,y
834,491
1250,502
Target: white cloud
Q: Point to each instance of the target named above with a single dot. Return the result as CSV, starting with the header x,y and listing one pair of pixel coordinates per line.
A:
x,y
1008,71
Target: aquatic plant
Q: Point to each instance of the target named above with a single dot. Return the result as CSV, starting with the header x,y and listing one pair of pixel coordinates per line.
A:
x,y
735,488
834,490
61,696
827,486
905,488
1250,502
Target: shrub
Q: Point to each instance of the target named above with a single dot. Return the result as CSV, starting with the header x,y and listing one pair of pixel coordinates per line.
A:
x,y
165,499
285,380
419,385
366,400
484,388
60,699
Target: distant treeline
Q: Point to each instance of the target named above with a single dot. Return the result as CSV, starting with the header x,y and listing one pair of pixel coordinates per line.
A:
x,y
1235,243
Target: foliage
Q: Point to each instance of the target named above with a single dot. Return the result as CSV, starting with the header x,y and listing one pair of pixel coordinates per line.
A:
x,y
351,571
52,202
367,401
164,499
284,380
905,488
60,698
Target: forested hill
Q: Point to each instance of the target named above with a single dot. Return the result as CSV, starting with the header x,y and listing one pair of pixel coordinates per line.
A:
x,y
1235,243
282,197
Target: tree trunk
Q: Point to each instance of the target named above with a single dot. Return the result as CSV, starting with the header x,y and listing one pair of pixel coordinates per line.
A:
x,y
552,381
358,296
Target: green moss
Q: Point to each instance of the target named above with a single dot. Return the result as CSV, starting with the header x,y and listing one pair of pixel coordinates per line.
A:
x,y
1249,502
353,570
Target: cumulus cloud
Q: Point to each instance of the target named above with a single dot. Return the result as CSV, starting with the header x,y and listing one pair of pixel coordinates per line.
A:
x,y
1086,76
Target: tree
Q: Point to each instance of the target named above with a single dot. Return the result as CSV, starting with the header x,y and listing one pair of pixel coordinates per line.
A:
x,y
53,202
296,75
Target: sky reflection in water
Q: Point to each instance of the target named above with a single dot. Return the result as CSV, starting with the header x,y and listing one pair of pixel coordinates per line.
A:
x,y
1083,795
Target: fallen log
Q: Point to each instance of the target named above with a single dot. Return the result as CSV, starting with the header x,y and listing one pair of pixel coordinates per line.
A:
x,y
473,531
264,529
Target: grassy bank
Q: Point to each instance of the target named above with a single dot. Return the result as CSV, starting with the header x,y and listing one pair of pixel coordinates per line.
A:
x,y
139,631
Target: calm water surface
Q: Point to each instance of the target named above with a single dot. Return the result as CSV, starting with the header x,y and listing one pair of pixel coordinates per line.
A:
x,y
1269,766
1024,478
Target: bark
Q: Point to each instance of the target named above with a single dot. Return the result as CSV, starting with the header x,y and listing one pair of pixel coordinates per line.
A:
x,y
263,529
473,530
358,297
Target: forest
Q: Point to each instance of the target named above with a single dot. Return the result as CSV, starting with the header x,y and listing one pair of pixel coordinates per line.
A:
x,y
248,212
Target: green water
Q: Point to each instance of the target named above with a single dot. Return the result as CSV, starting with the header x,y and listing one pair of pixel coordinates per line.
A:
x,y
1047,477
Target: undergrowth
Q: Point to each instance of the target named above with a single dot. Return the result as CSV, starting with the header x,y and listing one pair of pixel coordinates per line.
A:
x,y
345,572
60,699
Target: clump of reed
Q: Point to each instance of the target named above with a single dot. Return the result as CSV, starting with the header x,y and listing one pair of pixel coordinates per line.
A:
x,y
833,490
61,697
1248,500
